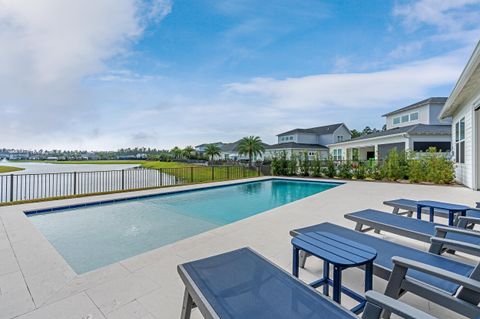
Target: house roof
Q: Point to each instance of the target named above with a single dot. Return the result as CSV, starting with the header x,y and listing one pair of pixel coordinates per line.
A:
x,y
289,145
466,86
232,147
205,144
432,100
319,130
416,129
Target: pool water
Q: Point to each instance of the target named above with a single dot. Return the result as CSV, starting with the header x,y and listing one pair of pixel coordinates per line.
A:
x,y
95,236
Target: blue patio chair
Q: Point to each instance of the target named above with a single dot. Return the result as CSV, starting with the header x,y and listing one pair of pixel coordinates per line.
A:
x,y
422,230
408,207
446,289
243,285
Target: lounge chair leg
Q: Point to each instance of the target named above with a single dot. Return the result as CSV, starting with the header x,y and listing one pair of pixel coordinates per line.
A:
x,y
358,227
187,305
395,210
409,213
377,231
394,286
303,258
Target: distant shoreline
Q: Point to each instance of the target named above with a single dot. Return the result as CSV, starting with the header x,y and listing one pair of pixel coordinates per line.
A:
x,y
8,169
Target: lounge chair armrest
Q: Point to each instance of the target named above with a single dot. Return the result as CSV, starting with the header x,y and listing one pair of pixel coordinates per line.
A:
x,y
439,243
438,272
393,305
441,231
468,219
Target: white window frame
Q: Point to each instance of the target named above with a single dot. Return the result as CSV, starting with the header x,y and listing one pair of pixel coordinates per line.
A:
x,y
414,119
460,141
405,118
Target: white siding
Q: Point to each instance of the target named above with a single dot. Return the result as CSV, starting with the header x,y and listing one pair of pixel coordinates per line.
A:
x,y
434,113
464,172
306,138
423,117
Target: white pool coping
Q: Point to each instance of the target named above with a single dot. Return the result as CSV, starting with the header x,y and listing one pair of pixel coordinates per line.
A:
x,y
36,282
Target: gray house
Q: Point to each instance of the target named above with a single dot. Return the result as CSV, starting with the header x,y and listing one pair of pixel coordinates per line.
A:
x,y
414,127
311,140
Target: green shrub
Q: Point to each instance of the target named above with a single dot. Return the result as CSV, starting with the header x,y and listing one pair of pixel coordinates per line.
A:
x,y
374,171
292,166
330,169
416,170
395,166
280,164
360,171
345,170
304,164
439,169
316,167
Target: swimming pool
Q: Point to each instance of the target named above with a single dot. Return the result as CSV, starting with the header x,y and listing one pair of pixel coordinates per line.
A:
x,y
90,237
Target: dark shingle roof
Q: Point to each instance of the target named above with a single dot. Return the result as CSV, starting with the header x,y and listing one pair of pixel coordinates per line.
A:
x,y
294,145
432,100
232,147
416,129
320,130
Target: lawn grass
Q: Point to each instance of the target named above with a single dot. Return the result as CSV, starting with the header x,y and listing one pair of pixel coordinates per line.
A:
x,y
202,174
142,163
8,169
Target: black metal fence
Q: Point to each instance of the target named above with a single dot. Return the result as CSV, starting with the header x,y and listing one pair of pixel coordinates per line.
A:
x,y
24,187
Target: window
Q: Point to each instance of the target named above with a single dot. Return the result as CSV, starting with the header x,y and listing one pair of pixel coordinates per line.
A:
x,y
414,116
396,120
310,153
404,118
291,138
460,141
337,154
339,138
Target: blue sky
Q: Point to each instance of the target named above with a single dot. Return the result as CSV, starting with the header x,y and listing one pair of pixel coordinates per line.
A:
x,y
161,73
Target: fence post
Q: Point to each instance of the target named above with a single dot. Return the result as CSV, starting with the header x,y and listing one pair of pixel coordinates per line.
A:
x,y
228,172
11,187
161,177
74,183
123,179
213,173
243,171
191,174
258,171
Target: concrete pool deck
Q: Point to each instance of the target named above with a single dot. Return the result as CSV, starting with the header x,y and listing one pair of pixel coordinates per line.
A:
x,y
36,282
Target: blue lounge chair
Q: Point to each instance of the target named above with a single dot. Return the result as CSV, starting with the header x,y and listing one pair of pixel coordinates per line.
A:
x,y
448,291
413,228
243,285
408,207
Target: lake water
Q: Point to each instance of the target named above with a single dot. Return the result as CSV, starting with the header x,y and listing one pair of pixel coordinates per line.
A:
x,y
39,167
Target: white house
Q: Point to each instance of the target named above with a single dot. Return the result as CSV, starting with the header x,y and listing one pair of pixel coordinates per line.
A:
x,y
414,127
463,106
201,148
229,151
311,140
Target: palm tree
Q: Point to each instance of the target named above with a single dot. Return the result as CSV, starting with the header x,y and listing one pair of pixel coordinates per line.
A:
x,y
188,151
212,150
177,152
251,146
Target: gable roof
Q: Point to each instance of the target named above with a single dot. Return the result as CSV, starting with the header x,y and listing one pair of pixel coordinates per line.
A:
x,y
289,145
232,147
432,100
466,85
319,130
416,129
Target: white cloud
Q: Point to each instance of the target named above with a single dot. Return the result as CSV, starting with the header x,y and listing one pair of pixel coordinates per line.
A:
x,y
446,14
356,90
49,48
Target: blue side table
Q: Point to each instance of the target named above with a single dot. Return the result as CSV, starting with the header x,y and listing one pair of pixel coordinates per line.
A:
x,y
451,208
342,254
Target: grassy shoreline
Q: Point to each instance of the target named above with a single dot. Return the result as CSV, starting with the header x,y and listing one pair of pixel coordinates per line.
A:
x,y
8,169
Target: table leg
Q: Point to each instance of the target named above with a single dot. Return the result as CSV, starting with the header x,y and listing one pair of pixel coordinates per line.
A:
x,y
451,215
419,212
369,276
326,276
296,256
337,283
187,305
432,212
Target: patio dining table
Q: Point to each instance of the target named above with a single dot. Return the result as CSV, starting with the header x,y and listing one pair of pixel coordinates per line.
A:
x,y
452,209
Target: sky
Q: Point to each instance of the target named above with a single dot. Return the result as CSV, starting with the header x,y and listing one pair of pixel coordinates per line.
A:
x,y
108,74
